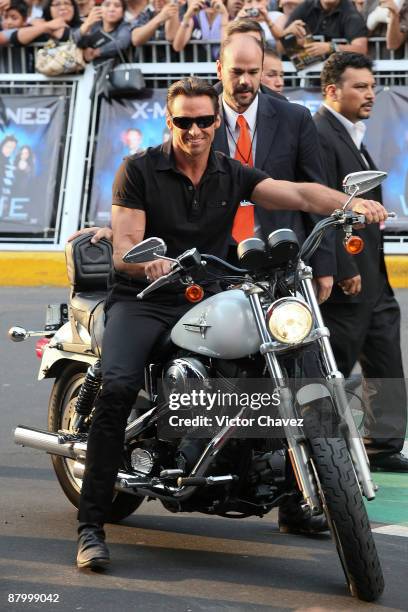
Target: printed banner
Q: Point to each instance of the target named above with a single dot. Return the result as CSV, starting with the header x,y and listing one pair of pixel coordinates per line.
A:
x,y
128,126
31,129
125,127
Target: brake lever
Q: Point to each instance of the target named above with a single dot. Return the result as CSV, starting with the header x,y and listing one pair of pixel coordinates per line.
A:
x,y
166,279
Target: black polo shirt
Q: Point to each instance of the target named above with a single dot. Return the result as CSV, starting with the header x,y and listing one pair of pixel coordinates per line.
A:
x,y
182,215
344,21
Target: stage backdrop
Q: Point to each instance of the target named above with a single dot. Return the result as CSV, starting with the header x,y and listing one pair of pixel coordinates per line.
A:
x,y
30,137
128,126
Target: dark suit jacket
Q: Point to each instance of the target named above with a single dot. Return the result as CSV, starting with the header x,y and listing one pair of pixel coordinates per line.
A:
x,y
340,157
286,149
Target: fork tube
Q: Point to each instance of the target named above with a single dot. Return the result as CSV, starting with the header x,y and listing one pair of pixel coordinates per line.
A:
x,y
335,380
295,439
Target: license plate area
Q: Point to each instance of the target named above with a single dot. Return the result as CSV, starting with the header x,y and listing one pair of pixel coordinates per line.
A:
x,y
56,315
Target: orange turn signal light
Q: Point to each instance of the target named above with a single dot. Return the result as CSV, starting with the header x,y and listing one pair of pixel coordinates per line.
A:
x,y
354,245
194,293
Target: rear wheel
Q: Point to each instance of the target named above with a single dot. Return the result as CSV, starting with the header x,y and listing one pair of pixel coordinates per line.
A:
x,y
61,410
347,516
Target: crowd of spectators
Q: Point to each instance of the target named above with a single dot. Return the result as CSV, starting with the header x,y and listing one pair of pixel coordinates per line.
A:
x,y
108,28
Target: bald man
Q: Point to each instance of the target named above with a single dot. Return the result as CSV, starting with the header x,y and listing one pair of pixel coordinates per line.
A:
x,y
284,141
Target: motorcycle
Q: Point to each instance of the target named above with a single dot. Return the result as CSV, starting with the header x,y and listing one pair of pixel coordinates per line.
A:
x,y
265,317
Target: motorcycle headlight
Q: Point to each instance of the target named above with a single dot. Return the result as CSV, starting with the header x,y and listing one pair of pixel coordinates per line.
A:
x,y
289,320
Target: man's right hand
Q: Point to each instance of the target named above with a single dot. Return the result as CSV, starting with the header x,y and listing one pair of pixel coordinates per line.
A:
x,y
351,286
99,233
157,268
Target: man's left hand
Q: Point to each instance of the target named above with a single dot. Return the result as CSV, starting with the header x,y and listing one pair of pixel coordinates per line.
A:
x,y
323,287
373,211
98,234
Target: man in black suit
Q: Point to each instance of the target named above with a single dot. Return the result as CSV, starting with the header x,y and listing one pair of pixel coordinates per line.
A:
x,y
284,141
362,314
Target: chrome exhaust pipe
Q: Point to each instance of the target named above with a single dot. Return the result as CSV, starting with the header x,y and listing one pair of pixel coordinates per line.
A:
x,y
49,442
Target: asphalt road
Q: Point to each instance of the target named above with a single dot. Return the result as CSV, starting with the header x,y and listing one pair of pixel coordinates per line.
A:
x,y
161,561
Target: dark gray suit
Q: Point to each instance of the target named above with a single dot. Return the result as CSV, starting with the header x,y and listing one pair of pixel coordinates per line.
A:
x,y
365,328
287,149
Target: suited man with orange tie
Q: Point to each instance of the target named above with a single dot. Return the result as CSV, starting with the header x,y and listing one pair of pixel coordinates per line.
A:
x,y
277,137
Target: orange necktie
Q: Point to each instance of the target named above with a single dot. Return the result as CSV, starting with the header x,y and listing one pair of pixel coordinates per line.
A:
x,y
244,222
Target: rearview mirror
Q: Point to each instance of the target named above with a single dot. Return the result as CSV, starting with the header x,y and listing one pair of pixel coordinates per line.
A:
x,y
358,183
147,250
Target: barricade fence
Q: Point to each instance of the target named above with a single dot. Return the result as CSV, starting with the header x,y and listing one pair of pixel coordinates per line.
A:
x,y
17,60
70,182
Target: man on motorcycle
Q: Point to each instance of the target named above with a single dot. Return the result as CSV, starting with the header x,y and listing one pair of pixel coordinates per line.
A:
x,y
187,194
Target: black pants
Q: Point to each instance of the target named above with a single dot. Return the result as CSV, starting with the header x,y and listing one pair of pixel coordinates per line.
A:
x,y
132,329
370,333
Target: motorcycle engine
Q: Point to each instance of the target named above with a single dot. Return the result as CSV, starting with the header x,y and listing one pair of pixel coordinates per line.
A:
x,y
183,374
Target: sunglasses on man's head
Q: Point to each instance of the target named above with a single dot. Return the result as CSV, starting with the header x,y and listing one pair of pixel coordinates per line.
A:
x,y
185,123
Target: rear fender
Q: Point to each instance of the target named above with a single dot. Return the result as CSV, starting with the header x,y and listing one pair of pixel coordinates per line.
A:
x,y
63,348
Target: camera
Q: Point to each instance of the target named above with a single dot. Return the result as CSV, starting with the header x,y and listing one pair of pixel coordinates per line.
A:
x,y
252,12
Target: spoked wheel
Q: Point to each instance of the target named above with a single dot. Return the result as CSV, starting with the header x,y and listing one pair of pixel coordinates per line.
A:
x,y
61,410
347,517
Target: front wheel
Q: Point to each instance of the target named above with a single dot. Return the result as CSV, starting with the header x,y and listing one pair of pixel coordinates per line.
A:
x,y
347,517
61,410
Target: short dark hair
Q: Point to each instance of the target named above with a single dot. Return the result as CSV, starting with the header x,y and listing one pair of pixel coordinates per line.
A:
x,y
244,26
271,51
336,65
20,7
229,40
191,87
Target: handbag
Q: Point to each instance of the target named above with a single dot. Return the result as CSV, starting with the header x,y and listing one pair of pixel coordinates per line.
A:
x,y
57,58
125,80
117,80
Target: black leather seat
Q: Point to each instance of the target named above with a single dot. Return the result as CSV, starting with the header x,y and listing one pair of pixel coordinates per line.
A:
x,y
88,268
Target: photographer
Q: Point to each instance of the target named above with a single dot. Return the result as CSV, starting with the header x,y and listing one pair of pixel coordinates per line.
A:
x,y
159,21
203,20
104,32
331,19
258,10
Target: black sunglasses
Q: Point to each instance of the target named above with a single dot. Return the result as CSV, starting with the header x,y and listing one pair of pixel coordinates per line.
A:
x,y
185,123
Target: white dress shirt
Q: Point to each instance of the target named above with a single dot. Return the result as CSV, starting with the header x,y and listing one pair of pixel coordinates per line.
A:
x,y
356,130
